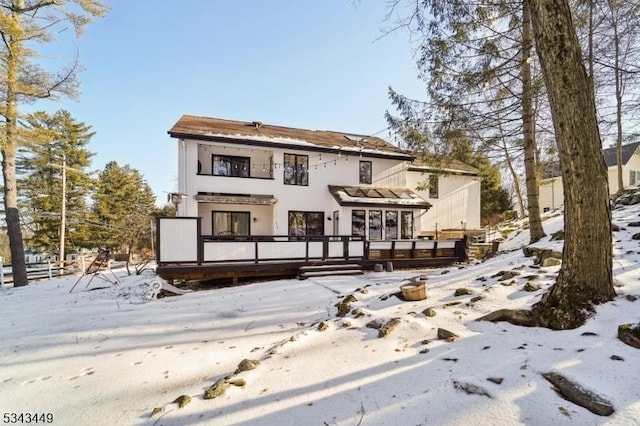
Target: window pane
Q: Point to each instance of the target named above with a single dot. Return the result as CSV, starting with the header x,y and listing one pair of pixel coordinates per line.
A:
x,y
221,166
229,165
433,186
289,169
240,223
297,223
221,223
365,172
302,170
391,225
315,223
407,225
375,225
231,223
357,222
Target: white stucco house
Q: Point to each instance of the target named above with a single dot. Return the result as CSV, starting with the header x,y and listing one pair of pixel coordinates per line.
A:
x,y
256,181
551,193
250,178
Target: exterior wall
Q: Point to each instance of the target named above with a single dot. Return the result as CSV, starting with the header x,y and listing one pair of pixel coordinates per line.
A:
x,y
457,205
633,165
551,195
268,179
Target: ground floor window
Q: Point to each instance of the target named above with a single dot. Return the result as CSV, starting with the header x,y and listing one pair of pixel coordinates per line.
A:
x,y
370,223
230,223
391,224
358,222
407,225
306,223
375,225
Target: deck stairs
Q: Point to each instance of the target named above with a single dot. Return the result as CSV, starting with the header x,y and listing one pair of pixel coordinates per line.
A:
x,y
323,270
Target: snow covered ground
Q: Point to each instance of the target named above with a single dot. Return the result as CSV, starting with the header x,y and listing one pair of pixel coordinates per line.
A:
x,y
104,355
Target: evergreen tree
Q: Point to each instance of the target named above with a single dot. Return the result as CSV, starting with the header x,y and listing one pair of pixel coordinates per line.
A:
x,y
24,24
58,139
122,207
481,81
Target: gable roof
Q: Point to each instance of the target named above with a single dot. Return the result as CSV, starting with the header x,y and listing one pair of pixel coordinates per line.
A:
x,y
627,152
261,134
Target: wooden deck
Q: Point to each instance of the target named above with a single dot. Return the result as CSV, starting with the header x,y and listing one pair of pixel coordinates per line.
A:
x,y
283,256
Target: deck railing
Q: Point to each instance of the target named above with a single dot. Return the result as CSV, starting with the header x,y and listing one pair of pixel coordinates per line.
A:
x,y
180,241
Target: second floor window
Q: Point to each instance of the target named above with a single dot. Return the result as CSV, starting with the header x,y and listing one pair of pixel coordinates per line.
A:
x,y
296,169
365,172
229,165
433,186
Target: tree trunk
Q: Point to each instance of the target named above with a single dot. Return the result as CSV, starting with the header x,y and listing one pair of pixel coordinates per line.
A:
x,y
585,277
536,232
514,177
9,149
618,83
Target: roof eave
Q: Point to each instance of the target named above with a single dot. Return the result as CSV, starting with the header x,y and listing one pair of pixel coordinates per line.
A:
x,y
264,143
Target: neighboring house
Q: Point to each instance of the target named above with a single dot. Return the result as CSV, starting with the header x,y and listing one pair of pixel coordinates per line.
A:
x,y
250,181
551,193
630,166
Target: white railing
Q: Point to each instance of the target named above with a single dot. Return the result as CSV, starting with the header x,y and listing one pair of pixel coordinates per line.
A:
x,y
180,241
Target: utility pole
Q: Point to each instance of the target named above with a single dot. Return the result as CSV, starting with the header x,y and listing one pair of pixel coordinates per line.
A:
x,y
63,213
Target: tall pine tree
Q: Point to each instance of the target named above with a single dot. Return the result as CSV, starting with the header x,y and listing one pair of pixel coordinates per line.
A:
x,y
58,139
24,26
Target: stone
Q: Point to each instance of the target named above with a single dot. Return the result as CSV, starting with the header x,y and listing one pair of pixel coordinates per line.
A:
x,y
470,389
447,335
550,261
430,312
375,324
247,364
217,389
631,297
630,334
323,326
558,235
388,327
496,380
531,287
575,393
462,291
182,400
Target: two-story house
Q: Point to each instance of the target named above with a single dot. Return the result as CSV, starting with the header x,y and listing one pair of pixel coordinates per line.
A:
x,y
251,179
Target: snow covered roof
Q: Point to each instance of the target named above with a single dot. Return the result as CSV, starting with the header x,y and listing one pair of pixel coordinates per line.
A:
x,y
261,134
449,166
361,196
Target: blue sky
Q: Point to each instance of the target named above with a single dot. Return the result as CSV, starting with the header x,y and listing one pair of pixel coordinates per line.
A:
x,y
316,64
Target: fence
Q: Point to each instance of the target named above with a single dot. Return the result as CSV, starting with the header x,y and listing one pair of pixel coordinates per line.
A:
x,y
39,271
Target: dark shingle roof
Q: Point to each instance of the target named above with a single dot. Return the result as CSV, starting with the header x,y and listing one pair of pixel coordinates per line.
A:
x,y
258,133
627,152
